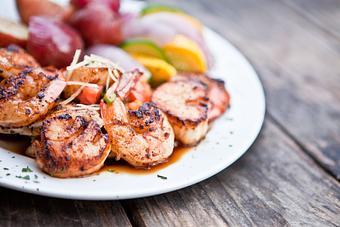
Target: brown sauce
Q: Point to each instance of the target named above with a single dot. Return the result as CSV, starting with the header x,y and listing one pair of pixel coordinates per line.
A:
x,y
124,167
18,144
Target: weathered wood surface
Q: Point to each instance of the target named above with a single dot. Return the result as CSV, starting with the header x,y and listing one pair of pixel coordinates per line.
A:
x,y
323,13
287,178
20,209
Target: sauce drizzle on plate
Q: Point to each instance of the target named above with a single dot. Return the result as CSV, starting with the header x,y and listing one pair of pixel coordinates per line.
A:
x,y
124,167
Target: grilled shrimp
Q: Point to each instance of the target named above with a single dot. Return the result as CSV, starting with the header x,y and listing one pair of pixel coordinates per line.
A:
x,y
133,85
30,130
219,97
88,75
72,144
28,96
142,137
185,102
13,60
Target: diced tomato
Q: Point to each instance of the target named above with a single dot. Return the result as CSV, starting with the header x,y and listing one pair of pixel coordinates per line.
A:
x,y
90,95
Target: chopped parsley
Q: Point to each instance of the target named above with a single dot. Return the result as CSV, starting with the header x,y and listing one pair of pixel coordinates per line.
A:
x,y
27,177
162,177
6,169
8,174
26,170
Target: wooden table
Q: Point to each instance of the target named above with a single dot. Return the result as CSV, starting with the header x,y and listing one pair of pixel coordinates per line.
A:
x,y
291,174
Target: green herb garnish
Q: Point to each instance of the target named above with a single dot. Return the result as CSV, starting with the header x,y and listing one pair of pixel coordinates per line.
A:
x,y
26,170
27,177
109,98
162,177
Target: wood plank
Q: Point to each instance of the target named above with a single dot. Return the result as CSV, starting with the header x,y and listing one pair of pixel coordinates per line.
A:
x,y
298,63
324,13
274,184
22,209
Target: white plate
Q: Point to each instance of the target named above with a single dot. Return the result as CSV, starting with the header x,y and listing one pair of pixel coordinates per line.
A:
x,y
229,138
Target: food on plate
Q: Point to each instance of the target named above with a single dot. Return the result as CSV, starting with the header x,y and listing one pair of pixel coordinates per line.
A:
x,y
157,8
185,102
12,33
160,70
142,137
143,47
28,96
14,59
96,77
30,130
98,24
46,8
52,42
114,5
185,55
219,98
72,144
117,55
81,109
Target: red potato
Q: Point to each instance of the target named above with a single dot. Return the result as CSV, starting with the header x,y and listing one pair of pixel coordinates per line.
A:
x,y
52,42
114,5
29,8
98,24
12,33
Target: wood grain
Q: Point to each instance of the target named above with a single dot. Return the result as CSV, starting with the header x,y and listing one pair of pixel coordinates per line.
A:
x,y
275,184
298,63
21,209
323,13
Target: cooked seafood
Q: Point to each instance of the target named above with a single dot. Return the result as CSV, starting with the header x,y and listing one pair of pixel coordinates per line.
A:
x,y
28,96
13,60
85,74
72,144
219,98
30,130
142,137
186,104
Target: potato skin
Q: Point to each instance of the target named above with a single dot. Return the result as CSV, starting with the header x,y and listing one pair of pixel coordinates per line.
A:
x,y
12,33
28,8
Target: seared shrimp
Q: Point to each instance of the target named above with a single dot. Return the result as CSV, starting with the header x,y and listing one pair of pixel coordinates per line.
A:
x,y
219,97
13,60
133,85
28,96
88,75
72,144
30,130
142,137
186,105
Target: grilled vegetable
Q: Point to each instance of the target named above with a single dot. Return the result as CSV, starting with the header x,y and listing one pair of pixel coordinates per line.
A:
x,y
52,42
143,47
12,33
46,8
161,70
185,55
